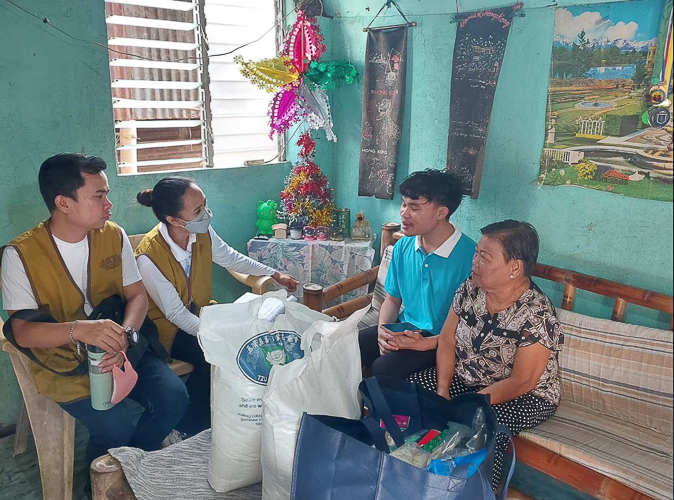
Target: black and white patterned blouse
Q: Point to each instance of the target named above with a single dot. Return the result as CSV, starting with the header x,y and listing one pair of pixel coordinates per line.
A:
x,y
486,345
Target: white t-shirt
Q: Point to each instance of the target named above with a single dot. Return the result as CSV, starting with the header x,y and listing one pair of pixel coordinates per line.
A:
x,y
165,295
17,294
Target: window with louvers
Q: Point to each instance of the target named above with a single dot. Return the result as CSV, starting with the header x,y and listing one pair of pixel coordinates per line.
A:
x,y
174,106
240,123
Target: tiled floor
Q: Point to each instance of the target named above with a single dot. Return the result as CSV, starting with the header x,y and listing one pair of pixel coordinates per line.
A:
x,y
20,476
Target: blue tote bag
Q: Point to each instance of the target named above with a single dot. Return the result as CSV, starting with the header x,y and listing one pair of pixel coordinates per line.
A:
x,y
341,459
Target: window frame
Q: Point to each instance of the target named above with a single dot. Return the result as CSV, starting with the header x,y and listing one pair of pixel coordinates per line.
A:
x,y
205,97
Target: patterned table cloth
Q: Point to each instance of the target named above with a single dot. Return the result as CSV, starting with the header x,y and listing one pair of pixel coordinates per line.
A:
x,y
321,262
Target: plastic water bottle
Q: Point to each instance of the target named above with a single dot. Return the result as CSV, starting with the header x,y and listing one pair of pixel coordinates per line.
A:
x,y
100,384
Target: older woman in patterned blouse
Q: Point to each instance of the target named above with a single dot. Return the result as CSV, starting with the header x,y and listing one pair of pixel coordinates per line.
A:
x,y
502,336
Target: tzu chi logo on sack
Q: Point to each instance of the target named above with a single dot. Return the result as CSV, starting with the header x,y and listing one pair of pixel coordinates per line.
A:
x,y
260,353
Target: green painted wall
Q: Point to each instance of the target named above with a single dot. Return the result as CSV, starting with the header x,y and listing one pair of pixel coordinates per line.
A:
x,y
623,239
55,97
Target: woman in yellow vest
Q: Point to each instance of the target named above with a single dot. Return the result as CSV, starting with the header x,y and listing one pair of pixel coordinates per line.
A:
x,y
174,260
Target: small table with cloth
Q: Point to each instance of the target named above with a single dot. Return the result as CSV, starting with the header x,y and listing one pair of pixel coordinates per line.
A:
x,y
321,262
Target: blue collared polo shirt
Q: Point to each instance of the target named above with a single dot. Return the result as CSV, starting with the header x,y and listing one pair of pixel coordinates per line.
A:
x,y
427,283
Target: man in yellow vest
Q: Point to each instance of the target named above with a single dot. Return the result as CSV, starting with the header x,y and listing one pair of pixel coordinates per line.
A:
x,y
66,266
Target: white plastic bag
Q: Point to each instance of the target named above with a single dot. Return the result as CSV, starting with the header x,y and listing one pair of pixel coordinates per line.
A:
x,y
324,382
242,346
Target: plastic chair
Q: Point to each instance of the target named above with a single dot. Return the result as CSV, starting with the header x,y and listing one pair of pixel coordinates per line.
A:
x,y
53,428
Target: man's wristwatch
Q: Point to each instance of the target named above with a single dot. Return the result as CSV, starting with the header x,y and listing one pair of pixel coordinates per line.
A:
x,y
131,335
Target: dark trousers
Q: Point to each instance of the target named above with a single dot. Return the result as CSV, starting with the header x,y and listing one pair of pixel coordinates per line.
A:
x,y
158,390
399,364
198,415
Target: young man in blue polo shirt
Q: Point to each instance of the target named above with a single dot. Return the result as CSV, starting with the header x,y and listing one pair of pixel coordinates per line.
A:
x,y
427,267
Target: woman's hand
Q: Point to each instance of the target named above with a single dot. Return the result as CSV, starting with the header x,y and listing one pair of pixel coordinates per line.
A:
x,y
443,392
287,281
414,341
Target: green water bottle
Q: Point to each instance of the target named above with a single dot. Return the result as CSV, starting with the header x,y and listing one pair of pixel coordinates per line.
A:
x,y
100,384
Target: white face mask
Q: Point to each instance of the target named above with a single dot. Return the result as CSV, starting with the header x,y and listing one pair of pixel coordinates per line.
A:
x,y
201,223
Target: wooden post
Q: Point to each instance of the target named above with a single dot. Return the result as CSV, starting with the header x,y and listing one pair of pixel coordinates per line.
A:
x,y
569,297
107,476
313,296
128,137
387,232
619,310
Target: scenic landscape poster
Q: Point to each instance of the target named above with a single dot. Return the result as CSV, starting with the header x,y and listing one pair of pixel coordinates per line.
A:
x,y
597,135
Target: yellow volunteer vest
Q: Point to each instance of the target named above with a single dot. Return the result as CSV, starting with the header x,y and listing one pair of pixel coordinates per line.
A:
x,y
56,292
194,290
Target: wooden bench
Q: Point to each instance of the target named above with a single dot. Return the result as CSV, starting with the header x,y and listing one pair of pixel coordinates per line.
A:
x,y
572,473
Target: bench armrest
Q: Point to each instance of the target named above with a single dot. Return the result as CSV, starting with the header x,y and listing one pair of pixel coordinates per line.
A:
x,y
259,284
350,284
346,309
315,296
